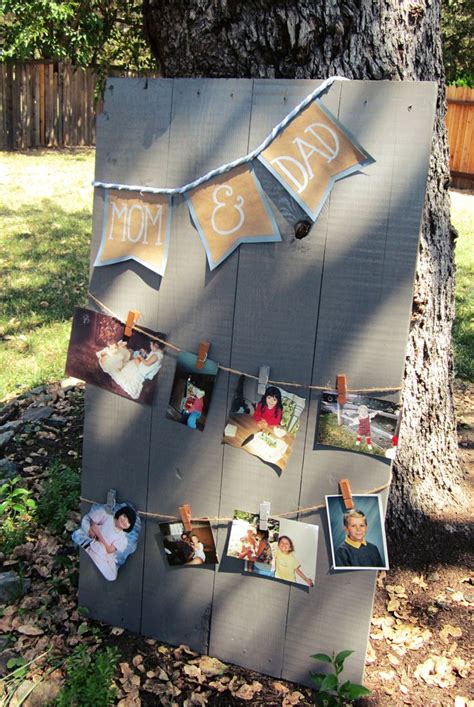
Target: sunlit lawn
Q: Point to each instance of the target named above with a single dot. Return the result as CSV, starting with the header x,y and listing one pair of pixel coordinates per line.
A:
x,y
45,211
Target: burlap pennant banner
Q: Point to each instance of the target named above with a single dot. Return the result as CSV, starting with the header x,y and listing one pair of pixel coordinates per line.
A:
x,y
310,154
136,226
229,210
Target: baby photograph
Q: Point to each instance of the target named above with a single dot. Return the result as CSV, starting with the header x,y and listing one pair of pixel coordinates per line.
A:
x,y
362,424
294,554
99,353
109,536
248,542
193,547
192,391
266,425
358,535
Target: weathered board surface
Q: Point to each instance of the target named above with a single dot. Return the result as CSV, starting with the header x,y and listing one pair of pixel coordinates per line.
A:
x,y
337,301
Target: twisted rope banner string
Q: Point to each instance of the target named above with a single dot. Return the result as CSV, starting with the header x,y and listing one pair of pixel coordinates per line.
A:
x,y
235,371
230,165
218,520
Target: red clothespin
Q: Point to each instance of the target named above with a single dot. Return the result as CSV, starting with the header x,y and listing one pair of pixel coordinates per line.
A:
x,y
132,317
341,387
185,513
346,492
202,353
263,376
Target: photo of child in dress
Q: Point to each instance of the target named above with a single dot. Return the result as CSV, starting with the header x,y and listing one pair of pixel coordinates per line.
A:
x,y
192,391
294,554
266,425
248,542
109,536
99,353
357,535
194,547
362,424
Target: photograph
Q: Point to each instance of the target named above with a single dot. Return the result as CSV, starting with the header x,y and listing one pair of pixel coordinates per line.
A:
x,y
265,427
192,391
293,554
99,353
358,535
362,424
109,535
194,547
248,542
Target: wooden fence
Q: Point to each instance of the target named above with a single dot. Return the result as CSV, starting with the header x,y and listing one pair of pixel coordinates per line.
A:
x,y
47,104
460,123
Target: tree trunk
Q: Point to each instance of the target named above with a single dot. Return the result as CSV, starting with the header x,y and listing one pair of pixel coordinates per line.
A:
x,y
360,40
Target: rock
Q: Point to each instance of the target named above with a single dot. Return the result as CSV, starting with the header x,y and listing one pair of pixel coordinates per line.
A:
x,y
11,584
8,469
11,426
8,411
5,656
56,421
37,391
34,414
69,383
5,437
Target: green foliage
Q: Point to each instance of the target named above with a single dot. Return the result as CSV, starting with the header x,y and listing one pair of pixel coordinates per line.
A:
x,y
17,509
60,496
89,678
462,216
457,27
91,33
329,693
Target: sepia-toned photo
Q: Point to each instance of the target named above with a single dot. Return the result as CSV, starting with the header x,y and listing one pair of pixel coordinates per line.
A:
x,y
109,536
99,353
362,424
357,535
194,547
192,391
265,427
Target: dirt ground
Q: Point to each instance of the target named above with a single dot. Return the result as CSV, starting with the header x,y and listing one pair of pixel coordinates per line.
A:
x,y
421,629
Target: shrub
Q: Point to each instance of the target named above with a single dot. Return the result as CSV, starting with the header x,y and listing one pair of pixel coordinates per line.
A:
x,y
60,496
17,509
89,678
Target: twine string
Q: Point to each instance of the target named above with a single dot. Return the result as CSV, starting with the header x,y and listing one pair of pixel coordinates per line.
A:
x,y
235,163
221,520
235,371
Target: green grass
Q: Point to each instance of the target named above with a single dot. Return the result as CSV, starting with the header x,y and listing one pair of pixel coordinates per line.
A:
x,y
45,208
462,215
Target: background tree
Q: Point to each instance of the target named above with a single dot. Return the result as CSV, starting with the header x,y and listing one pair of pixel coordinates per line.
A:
x,y
98,33
360,40
457,25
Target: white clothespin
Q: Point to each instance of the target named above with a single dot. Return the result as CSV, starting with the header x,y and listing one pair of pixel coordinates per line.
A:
x,y
264,514
263,376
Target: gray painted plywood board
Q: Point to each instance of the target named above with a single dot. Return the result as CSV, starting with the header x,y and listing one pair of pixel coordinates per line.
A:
x,y
337,301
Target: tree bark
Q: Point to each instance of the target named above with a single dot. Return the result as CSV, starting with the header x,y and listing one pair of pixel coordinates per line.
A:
x,y
360,40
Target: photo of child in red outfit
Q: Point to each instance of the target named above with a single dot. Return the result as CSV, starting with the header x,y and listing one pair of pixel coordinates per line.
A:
x,y
192,391
265,427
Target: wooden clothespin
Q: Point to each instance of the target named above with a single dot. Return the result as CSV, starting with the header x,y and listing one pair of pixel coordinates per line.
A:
x,y
341,387
132,318
264,514
202,353
185,513
111,500
346,492
263,376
